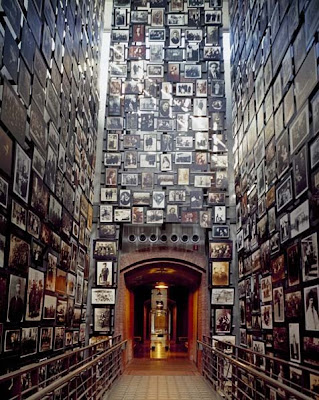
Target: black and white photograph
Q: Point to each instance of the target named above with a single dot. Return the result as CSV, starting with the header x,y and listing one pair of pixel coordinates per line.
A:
x,y
194,17
284,227
154,216
157,17
50,169
223,296
299,219
6,151
29,341
165,109
177,5
121,215
200,123
120,17
131,141
279,304
141,198
214,70
156,54
166,179
109,195
104,273
172,214
128,179
219,214
49,307
212,35
183,157
103,296
12,340
118,71
184,142
294,342
203,181
119,52
266,317
158,199
220,231
220,250
284,194
183,176
103,249
130,159
311,295
59,333
223,320
157,35
19,215
147,122
184,89
112,142
148,160
309,257
314,153
166,162
200,110
205,219
137,215
46,339
102,319
213,17
137,69
19,253
22,172
139,17
193,35
34,295
182,122
16,299
192,71
177,19
315,113
125,198
300,174
212,53
201,88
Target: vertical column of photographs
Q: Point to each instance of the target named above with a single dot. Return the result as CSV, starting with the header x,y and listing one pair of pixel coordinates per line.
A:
x,y
275,129
165,151
48,128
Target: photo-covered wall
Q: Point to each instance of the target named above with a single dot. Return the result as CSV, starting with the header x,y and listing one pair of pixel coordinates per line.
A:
x,y
165,148
275,129
49,57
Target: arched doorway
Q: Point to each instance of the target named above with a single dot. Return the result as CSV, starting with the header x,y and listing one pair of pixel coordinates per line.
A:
x,y
184,274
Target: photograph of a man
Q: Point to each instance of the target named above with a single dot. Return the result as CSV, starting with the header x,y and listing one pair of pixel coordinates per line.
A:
x,y
16,299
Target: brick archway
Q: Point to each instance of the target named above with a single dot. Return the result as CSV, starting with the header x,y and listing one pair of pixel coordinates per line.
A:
x,y
187,266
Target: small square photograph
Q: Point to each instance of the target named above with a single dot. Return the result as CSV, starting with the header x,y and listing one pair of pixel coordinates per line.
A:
x,y
172,214
155,71
205,219
22,172
213,17
193,35
309,257
192,55
189,217
284,193
311,295
220,231
223,320
194,17
157,17
154,216
19,215
138,33
219,215
158,199
157,35
201,88
122,215
220,273
138,215
166,162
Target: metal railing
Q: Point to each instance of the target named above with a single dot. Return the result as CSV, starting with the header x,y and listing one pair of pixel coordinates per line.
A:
x,y
239,373
84,373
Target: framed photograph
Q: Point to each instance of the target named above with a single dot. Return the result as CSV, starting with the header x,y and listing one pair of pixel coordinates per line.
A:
x,y
300,169
147,180
220,231
172,214
294,342
175,55
182,122
306,78
166,179
156,54
109,194
177,5
141,198
293,264
22,172
166,125
177,19
284,193
138,215
120,35
284,227
34,295
266,289
129,179
200,110
166,162
158,199
214,70
111,175
266,317
102,319
311,296
220,273
148,160
157,35
200,124
201,88
125,198
154,216
59,333
309,257
203,181
118,71
219,214
193,35
46,339
279,304
16,299
139,17
223,296
183,176
112,159
315,113
205,219
107,231
213,17
104,248
293,304
183,158
217,87
121,215
6,151
212,35
103,296
106,213
137,69
184,142
157,17
314,153
299,219
29,341
19,253
165,109
12,340
223,320
192,55
138,33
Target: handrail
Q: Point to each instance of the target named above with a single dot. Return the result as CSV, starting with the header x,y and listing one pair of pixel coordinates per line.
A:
x,y
58,383
253,371
66,354
266,356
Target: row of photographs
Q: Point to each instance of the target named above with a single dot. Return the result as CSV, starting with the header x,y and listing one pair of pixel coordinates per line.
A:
x,y
29,341
158,17
164,90
34,298
174,5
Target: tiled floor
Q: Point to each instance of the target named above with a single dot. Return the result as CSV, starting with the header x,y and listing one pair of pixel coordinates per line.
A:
x,y
168,379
